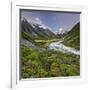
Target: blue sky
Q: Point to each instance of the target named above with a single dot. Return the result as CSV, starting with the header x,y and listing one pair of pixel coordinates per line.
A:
x,y
54,20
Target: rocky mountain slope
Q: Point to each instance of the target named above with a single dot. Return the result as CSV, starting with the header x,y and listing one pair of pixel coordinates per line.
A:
x,y
72,38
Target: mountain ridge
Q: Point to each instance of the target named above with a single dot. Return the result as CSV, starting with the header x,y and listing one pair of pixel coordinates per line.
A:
x,y
72,38
35,30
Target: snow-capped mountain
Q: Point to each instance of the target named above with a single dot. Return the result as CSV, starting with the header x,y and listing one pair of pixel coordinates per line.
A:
x,y
36,29
61,31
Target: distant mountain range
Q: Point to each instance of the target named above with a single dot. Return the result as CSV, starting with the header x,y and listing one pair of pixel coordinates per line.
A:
x,y
31,31
35,30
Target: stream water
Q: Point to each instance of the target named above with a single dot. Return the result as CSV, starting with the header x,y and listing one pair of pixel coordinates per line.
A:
x,y
58,46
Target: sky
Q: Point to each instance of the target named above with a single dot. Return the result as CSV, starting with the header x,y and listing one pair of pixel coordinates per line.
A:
x,y
56,21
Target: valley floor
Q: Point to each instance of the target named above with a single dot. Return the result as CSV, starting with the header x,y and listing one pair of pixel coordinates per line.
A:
x,y
51,59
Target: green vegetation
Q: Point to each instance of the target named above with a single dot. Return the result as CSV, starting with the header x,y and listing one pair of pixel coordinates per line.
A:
x,y
39,41
45,42
38,64
72,39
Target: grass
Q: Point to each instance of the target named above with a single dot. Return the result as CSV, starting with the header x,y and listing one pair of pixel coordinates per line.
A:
x,y
36,64
45,43
72,39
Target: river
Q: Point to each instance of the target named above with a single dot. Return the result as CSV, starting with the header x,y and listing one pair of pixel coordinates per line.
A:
x,y
58,46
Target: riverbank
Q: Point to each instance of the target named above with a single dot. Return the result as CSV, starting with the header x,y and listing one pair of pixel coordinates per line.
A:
x,y
58,46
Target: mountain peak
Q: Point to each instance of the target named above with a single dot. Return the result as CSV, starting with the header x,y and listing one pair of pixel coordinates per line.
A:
x,y
37,30
61,31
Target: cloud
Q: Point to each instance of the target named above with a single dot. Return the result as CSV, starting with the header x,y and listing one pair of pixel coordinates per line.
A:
x,y
38,20
35,20
45,26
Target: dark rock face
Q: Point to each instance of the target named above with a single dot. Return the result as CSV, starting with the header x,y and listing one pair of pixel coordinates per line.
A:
x,y
35,30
